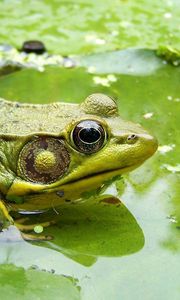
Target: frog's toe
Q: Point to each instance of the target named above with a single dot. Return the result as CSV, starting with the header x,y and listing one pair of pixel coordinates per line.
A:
x,y
36,238
30,227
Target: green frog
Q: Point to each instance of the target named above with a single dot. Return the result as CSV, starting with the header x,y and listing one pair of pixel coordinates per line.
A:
x,y
55,153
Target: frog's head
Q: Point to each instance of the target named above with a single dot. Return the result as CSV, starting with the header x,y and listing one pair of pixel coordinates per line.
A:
x,y
95,145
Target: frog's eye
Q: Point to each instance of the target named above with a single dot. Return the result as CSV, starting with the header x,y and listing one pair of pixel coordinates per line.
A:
x,y
88,136
44,160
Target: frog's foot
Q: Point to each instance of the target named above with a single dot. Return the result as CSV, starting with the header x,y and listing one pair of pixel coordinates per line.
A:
x,y
37,228
30,227
35,238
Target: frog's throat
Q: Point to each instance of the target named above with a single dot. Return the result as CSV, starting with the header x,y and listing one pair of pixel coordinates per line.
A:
x,y
80,185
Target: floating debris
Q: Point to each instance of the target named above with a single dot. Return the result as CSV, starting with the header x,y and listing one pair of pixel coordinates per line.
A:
x,y
169,98
101,80
167,15
15,58
172,219
170,54
69,63
100,42
112,78
148,115
91,69
173,169
115,33
94,39
125,24
166,148
105,81
37,47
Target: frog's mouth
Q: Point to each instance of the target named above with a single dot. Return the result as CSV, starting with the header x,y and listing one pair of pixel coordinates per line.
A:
x,y
37,198
93,180
97,177
71,186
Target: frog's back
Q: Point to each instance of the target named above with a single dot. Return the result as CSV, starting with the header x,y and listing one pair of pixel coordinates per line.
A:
x,y
24,119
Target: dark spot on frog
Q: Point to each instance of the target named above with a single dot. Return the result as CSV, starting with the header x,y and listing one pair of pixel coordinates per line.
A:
x,y
15,199
111,200
67,200
60,193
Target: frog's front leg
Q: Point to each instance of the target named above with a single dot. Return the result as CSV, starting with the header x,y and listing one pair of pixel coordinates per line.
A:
x,y
35,238
5,211
23,227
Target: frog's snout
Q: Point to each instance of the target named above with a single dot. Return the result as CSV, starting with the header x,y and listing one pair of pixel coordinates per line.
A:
x,y
148,143
140,146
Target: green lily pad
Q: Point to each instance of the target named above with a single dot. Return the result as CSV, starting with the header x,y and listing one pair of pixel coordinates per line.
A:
x,y
130,61
85,232
22,284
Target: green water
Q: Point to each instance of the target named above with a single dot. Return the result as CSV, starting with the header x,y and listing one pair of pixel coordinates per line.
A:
x,y
103,252
85,26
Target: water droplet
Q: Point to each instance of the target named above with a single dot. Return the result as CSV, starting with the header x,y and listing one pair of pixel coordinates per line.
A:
x,y
38,229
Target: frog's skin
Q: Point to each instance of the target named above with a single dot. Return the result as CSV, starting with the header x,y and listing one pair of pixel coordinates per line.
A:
x,y
47,158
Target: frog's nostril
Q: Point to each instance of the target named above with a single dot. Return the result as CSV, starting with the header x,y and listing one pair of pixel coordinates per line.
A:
x,y
132,138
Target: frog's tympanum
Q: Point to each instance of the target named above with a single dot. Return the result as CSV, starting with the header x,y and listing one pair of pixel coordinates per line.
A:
x,y
55,153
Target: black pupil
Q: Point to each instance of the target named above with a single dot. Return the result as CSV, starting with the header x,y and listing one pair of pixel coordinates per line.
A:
x,y
89,135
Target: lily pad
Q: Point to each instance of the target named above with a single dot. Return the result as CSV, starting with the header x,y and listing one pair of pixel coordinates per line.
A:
x,y
86,232
22,284
130,61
